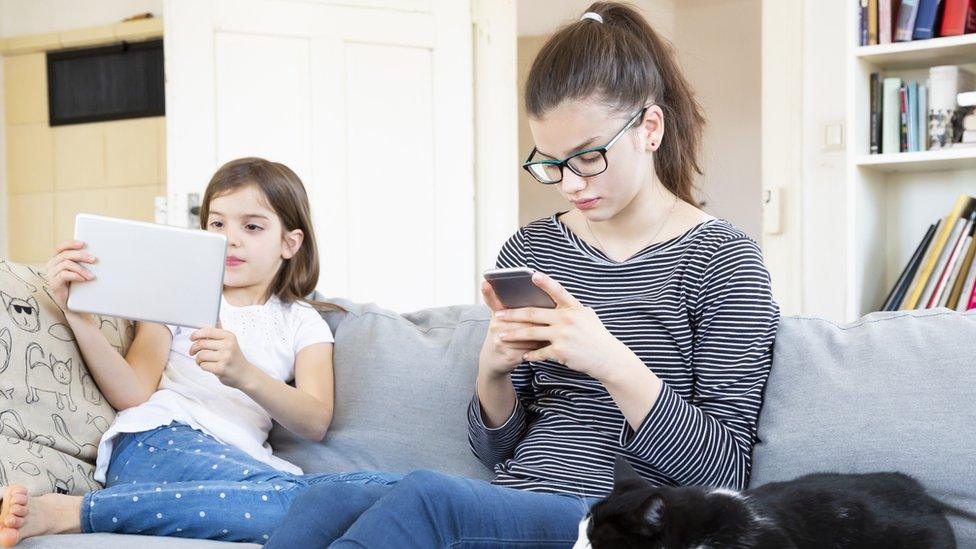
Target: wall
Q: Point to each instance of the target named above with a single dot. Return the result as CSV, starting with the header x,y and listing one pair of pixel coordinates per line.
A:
x,y
718,43
112,168
19,17
823,172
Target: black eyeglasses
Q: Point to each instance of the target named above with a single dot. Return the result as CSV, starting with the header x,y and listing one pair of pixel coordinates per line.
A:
x,y
586,163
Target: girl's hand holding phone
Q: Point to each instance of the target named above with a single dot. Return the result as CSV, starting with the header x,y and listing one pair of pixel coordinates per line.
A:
x,y
65,268
216,350
499,357
575,336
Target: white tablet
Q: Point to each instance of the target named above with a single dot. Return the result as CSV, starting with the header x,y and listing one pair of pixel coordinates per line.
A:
x,y
151,272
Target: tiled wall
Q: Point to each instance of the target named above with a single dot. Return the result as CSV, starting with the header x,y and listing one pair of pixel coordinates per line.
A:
x,y
111,168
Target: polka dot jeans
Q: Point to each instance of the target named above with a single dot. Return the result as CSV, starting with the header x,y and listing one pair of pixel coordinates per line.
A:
x,y
177,481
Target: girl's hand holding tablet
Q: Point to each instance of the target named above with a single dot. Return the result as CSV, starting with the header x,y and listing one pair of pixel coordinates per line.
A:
x,y
65,268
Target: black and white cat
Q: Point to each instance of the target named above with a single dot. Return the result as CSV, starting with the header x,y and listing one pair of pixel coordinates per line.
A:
x,y
879,510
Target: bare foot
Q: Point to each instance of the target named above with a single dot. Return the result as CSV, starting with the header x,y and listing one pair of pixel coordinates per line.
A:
x,y
22,516
13,510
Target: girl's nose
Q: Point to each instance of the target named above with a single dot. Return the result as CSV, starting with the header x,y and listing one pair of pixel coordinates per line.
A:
x,y
571,183
233,239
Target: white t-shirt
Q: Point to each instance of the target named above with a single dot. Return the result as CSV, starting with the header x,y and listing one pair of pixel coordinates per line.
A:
x,y
270,337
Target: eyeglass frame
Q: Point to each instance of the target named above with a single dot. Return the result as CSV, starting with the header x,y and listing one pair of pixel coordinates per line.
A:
x,y
565,162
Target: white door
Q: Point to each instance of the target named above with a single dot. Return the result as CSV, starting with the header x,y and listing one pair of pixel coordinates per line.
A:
x,y
370,102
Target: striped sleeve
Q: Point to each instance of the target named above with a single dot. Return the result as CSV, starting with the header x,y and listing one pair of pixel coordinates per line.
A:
x,y
495,445
709,440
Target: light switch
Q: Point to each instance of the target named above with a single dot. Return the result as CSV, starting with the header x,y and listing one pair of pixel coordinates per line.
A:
x,y
159,211
834,136
772,210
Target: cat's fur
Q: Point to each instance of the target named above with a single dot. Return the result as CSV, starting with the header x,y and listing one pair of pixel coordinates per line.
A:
x,y
879,510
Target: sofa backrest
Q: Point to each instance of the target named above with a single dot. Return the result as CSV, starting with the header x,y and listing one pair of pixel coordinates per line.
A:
x,y
403,383
893,391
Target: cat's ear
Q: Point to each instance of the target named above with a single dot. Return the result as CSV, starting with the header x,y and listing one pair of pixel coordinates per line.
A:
x,y
33,303
623,472
654,512
6,300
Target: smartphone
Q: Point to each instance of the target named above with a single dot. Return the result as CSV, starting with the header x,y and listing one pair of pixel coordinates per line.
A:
x,y
515,289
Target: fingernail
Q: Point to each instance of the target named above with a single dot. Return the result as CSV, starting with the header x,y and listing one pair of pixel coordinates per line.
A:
x,y
525,357
502,335
500,314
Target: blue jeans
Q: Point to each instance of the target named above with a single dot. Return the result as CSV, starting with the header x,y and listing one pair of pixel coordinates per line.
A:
x,y
177,481
427,510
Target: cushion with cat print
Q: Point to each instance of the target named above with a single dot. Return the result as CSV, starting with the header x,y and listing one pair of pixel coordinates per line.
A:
x,y
52,414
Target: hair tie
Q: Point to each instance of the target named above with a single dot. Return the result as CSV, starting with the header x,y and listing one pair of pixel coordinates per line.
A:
x,y
590,15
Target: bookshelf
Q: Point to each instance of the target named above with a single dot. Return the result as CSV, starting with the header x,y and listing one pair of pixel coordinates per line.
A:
x,y
892,198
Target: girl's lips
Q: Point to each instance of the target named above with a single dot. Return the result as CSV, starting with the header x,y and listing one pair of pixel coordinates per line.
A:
x,y
587,204
231,261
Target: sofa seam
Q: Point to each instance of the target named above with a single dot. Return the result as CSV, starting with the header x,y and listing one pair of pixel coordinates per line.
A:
x,y
858,324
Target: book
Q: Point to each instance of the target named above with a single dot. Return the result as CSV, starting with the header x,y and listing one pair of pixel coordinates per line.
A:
x,y
887,10
875,113
945,115
922,110
901,286
966,99
890,116
946,280
903,118
958,17
911,111
968,287
964,266
938,270
863,20
972,300
963,205
872,22
905,26
953,277
916,278
928,11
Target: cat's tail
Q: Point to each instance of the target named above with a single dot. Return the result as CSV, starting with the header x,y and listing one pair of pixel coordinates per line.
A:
x,y
952,510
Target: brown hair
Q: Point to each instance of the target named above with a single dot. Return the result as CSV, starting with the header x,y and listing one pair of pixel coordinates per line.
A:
x,y
286,195
624,63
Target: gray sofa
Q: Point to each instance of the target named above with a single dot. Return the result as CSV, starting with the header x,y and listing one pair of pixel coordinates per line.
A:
x,y
892,391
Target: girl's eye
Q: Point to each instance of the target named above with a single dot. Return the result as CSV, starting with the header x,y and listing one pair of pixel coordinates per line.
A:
x,y
252,225
215,224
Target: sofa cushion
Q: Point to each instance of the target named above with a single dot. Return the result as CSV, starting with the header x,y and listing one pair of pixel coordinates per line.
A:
x,y
403,383
891,392
52,414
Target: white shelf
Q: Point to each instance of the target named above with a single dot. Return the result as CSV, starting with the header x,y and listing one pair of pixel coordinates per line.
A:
x,y
958,158
892,198
920,54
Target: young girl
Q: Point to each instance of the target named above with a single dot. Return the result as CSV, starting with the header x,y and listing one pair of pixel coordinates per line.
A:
x,y
661,341
188,454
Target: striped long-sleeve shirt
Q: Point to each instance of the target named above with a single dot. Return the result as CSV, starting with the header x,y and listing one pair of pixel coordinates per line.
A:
x,y
697,310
